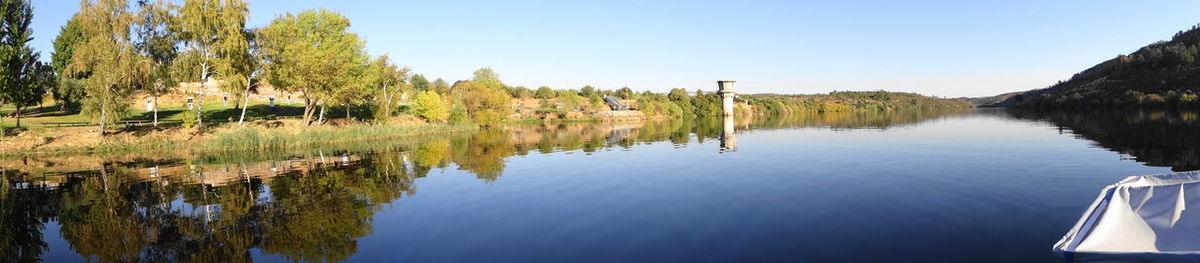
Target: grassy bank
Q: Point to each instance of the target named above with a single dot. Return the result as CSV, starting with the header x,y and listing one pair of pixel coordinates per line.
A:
x,y
265,139
257,137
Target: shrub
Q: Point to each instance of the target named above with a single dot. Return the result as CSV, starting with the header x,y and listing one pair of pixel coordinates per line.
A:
x,y
431,107
570,99
189,118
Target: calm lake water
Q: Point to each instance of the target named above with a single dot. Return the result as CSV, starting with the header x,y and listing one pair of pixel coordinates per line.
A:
x,y
977,186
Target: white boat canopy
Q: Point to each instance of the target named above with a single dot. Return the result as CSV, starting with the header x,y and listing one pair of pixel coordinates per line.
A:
x,y
1140,218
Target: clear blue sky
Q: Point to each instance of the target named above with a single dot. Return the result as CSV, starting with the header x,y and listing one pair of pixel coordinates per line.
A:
x,y
940,48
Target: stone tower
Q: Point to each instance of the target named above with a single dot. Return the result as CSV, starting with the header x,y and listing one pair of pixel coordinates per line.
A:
x,y
725,89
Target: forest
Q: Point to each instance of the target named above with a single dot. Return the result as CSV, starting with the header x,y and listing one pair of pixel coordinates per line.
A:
x,y
1162,75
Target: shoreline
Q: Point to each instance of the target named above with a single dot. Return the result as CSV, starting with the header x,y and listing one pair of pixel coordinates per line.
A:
x,y
255,137
84,140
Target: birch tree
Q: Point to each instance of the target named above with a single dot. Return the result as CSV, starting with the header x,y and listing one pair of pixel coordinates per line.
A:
x,y
158,45
107,53
237,57
203,26
385,81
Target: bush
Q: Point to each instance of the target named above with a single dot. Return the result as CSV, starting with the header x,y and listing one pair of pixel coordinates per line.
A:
x,y
570,100
189,118
587,91
596,100
431,107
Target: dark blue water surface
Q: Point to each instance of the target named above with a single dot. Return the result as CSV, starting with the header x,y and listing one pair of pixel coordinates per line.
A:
x,y
980,186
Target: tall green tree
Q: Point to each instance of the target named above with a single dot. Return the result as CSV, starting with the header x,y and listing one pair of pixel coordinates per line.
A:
x,y
544,92
107,53
209,28
420,83
440,86
587,91
312,53
158,45
21,87
69,92
239,62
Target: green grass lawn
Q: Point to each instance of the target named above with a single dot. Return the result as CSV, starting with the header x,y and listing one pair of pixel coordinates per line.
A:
x,y
214,112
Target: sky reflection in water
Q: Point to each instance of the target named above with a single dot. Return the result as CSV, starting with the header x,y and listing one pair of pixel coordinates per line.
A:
x,y
987,185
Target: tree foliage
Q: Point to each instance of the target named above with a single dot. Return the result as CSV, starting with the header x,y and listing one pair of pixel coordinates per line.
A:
x,y
430,106
214,31
383,81
20,74
487,106
312,53
420,83
157,43
488,77
108,56
544,92
1162,75
69,91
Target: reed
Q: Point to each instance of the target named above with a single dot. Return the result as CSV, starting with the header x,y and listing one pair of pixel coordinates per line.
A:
x,y
263,139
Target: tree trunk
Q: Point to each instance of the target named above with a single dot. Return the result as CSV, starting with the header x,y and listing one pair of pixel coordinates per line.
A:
x,y
155,110
309,108
245,102
200,95
157,86
104,175
103,117
387,105
17,115
347,113
321,118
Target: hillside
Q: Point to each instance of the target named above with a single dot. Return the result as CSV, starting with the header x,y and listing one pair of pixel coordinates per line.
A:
x,y
1002,100
1163,75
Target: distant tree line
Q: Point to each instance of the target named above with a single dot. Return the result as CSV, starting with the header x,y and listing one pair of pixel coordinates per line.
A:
x,y
847,101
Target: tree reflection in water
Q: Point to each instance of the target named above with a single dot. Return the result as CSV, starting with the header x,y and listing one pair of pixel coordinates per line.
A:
x,y
1155,138
312,205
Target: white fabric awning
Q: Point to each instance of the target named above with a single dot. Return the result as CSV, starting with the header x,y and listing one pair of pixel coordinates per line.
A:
x,y
1139,218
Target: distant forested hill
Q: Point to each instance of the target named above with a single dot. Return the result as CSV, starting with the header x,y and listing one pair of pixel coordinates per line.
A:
x,y
1163,75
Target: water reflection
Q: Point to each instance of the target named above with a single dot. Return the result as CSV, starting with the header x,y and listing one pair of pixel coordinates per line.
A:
x,y
307,205
1155,138
728,134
